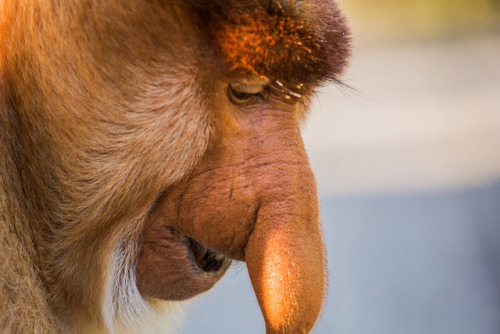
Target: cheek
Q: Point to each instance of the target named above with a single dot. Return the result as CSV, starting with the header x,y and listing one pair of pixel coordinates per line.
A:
x,y
154,144
171,129
121,161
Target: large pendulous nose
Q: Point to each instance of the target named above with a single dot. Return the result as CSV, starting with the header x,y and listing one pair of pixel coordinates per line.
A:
x,y
285,254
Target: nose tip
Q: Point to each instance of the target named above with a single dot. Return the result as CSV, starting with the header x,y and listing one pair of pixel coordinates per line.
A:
x,y
286,264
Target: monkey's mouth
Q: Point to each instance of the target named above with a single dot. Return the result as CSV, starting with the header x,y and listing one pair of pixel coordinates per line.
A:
x,y
174,266
206,259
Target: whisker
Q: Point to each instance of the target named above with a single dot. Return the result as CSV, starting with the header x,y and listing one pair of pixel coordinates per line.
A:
x,y
347,90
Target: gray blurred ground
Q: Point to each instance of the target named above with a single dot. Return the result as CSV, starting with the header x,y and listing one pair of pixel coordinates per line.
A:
x,y
409,177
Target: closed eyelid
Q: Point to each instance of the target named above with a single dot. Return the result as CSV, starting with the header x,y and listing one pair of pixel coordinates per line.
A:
x,y
247,88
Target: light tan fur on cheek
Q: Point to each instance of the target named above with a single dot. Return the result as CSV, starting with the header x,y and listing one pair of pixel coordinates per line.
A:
x,y
96,169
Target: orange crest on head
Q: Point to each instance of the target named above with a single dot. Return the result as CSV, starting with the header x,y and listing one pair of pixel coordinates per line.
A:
x,y
259,43
262,38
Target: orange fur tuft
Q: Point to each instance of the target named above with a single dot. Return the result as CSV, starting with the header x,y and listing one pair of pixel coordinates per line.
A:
x,y
265,39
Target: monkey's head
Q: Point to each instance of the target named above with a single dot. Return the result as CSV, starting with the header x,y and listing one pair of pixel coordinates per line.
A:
x,y
159,140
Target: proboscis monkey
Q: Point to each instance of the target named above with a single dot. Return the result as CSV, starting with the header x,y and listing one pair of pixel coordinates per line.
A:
x,y
145,144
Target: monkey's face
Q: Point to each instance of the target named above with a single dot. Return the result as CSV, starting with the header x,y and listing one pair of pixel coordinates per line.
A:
x,y
252,196
164,142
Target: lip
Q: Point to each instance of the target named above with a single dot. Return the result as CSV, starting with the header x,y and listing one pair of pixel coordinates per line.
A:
x,y
173,266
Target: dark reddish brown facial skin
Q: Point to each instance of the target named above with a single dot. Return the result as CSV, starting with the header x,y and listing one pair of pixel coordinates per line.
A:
x,y
252,198
173,267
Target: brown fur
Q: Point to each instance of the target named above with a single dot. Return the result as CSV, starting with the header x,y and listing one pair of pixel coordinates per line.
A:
x,y
106,107
304,42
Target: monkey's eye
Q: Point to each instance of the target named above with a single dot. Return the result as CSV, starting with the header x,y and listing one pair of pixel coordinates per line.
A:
x,y
240,93
239,97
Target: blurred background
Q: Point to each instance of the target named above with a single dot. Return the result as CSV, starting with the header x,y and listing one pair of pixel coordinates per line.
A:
x,y
408,167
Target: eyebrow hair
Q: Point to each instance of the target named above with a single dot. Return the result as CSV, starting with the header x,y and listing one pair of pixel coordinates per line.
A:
x,y
304,42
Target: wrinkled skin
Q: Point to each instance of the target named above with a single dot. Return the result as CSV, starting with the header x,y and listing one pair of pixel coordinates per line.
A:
x,y
147,144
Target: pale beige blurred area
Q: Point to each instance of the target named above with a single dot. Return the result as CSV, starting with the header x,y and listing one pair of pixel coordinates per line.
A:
x,y
425,112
